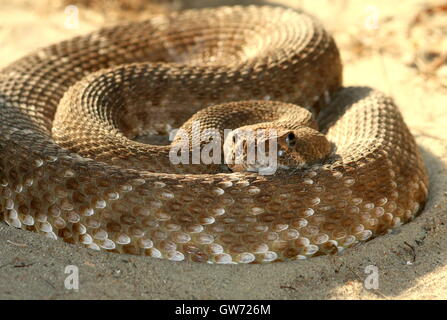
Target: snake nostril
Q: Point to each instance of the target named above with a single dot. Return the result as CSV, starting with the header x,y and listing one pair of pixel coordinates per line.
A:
x,y
281,153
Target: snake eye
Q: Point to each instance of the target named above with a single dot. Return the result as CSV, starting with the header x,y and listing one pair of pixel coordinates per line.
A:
x,y
291,139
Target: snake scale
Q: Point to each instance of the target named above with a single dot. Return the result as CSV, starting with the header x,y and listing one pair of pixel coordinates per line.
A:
x,y
72,167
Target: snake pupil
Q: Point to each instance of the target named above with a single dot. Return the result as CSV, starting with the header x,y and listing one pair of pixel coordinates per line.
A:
x,y
291,139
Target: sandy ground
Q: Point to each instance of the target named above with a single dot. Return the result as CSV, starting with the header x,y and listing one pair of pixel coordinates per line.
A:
x,y
378,50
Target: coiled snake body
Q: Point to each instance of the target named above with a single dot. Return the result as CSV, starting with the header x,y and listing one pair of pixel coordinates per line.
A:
x,y
71,166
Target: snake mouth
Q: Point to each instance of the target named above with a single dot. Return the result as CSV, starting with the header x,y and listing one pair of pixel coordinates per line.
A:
x,y
251,151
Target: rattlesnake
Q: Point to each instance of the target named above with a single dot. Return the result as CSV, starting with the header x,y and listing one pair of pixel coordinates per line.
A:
x,y
96,186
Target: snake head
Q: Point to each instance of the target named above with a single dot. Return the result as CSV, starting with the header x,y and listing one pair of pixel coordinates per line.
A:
x,y
301,146
264,150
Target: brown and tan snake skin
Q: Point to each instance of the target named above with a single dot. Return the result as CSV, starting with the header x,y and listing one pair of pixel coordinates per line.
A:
x,y
72,167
